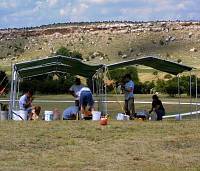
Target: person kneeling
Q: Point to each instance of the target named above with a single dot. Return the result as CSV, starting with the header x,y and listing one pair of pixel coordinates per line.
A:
x,y
70,113
34,115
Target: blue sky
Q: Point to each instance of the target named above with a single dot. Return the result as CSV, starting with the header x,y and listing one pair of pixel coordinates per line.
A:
x,y
23,13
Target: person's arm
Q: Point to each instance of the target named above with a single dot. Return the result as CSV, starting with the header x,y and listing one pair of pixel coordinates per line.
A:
x,y
151,110
27,104
152,107
129,89
71,91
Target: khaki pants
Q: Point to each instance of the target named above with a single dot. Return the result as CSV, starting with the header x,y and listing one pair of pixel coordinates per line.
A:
x,y
129,107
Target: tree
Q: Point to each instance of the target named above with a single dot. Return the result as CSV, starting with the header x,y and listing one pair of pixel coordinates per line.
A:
x,y
63,51
118,74
66,52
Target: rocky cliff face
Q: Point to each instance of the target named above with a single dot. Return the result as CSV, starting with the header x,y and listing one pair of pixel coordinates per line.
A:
x,y
114,41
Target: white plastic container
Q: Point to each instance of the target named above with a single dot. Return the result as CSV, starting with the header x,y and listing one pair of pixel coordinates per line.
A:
x,y
178,117
122,117
96,115
48,115
20,115
3,115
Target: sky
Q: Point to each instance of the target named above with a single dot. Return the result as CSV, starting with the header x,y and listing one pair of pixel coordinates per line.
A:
x,y
27,13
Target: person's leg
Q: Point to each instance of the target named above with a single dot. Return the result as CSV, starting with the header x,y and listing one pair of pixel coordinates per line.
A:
x,y
159,115
127,112
131,107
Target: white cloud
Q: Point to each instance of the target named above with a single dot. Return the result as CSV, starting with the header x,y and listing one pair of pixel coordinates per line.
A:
x,y
7,4
74,11
52,2
103,1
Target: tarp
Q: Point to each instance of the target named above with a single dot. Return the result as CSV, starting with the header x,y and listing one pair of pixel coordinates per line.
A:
x,y
58,64
75,66
154,62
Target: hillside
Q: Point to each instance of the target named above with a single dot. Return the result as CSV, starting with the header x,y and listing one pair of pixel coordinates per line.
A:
x,y
105,42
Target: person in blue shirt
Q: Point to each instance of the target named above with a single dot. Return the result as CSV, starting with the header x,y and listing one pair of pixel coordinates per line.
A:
x,y
25,101
70,113
128,89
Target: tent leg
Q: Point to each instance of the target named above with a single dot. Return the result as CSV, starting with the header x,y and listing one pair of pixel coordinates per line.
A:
x,y
196,94
179,96
190,94
11,94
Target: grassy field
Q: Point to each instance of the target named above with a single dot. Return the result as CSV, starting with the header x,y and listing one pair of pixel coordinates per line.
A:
x,y
86,145
116,107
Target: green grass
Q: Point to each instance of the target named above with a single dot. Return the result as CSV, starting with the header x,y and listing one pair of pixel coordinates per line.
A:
x,y
86,145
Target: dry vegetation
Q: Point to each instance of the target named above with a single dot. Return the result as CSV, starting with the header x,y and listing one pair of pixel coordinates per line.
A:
x,y
82,145
106,42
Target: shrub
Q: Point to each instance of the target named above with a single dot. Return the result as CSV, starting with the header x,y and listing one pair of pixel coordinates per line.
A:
x,y
118,74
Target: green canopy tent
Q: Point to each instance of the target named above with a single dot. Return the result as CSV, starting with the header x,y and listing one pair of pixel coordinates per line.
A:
x,y
63,64
154,62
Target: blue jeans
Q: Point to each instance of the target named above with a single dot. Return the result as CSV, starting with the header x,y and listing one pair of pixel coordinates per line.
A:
x,y
86,99
160,114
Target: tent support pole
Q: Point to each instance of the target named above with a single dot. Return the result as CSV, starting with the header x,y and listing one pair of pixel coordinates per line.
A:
x,y
179,96
11,93
190,93
105,83
15,89
196,94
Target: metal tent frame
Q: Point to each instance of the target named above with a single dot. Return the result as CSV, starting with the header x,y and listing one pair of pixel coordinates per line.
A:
x,y
96,73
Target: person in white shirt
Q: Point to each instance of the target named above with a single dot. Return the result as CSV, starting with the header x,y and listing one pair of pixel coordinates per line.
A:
x,y
74,90
128,89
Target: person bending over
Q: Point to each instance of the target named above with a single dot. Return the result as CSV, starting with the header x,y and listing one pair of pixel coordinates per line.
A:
x,y
70,113
86,102
157,107
74,90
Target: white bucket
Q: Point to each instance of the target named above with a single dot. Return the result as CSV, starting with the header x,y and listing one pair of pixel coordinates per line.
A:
x,y
20,115
178,117
96,115
122,117
153,117
3,115
48,115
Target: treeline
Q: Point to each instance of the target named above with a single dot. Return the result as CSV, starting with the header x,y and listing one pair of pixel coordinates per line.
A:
x,y
169,85
48,84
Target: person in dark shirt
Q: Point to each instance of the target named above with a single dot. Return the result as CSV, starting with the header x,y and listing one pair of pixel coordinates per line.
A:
x,y
157,107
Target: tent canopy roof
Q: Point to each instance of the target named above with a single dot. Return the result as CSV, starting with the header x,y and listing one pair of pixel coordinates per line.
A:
x,y
56,64
154,62
75,66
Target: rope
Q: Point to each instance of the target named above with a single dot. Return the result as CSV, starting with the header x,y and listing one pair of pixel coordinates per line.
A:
x,y
118,101
3,80
2,91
